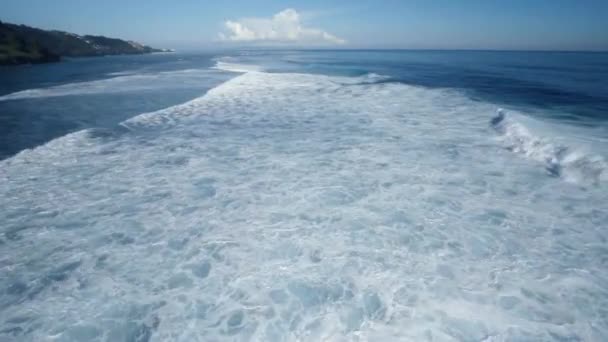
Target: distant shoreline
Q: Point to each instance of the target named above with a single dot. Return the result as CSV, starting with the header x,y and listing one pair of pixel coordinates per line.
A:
x,y
20,44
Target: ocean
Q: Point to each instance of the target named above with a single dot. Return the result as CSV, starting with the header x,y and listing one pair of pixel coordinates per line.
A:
x,y
306,195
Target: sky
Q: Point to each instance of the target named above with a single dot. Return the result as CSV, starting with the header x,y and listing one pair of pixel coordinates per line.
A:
x,y
393,24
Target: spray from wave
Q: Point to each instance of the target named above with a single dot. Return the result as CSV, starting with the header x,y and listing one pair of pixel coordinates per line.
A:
x,y
560,160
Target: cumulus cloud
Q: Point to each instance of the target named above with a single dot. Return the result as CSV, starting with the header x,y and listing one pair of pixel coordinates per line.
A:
x,y
284,27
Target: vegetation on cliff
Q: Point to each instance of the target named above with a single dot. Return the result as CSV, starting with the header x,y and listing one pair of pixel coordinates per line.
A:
x,y
23,44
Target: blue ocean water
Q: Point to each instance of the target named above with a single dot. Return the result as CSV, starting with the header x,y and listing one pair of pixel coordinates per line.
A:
x,y
280,195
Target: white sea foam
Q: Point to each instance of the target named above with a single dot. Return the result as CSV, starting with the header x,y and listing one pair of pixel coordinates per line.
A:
x,y
123,73
119,84
236,67
560,159
284,207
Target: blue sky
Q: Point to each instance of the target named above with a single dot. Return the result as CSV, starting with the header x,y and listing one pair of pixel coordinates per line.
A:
x,y
415,24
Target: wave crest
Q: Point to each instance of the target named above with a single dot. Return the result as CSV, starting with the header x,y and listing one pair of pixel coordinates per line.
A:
x,y
236,67
569,162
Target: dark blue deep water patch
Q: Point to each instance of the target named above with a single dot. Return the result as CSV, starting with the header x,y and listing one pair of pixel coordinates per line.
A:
x,y
42,102
571,82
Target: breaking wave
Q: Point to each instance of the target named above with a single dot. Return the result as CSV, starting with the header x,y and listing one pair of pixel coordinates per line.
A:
x,y
236,67
120,83
569,162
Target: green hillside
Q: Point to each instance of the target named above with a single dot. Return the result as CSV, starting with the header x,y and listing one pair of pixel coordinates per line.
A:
x,y
23,44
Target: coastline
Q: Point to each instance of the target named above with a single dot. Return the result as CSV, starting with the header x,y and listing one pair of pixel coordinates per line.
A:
x,y
20,44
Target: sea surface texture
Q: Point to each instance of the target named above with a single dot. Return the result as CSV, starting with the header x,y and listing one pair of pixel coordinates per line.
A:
x,y
306,196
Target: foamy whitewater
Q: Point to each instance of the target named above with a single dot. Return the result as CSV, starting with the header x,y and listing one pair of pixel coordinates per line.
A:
x,y
307,207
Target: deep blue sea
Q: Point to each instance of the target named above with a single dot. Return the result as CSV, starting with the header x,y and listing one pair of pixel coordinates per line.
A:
x,y
305,195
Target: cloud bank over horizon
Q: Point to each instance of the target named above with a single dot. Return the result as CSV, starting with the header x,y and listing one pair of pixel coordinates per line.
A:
x,y
284,27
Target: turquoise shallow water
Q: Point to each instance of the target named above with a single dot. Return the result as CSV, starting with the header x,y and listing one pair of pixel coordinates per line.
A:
x,y
305,195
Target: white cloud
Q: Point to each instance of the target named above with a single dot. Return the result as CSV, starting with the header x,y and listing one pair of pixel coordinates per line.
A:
x,y
283,27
